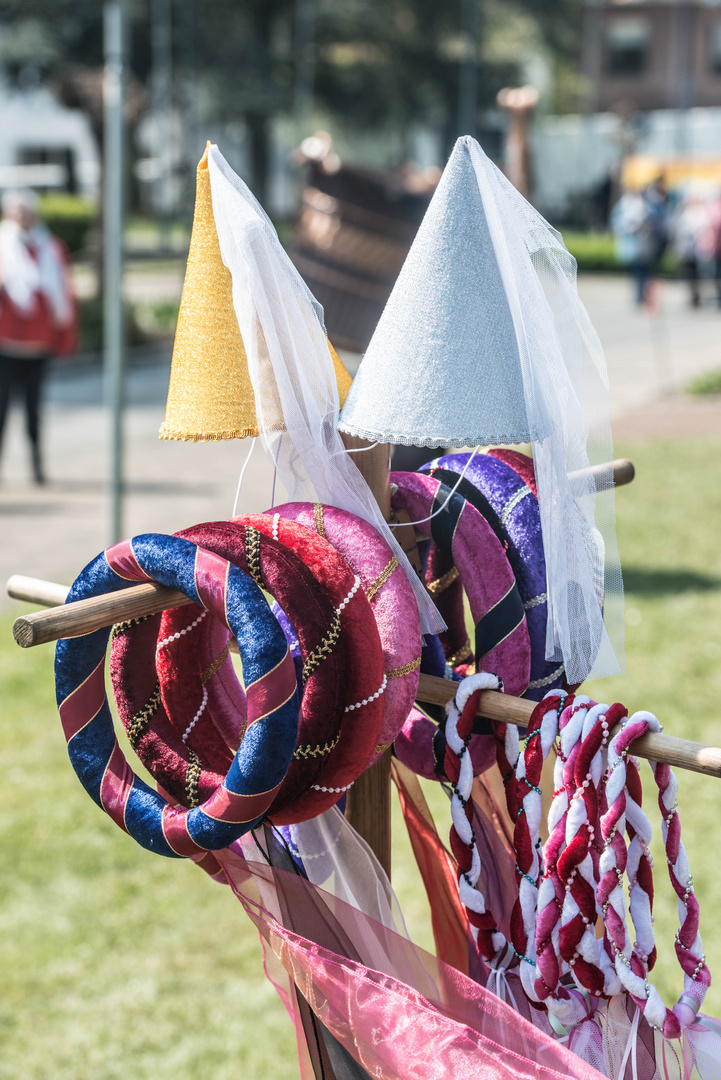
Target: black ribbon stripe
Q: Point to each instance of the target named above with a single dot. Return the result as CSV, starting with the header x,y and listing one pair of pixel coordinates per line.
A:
x,y
476,498
498,623
444,524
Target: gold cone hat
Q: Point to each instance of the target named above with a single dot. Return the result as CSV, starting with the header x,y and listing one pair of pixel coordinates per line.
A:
x,y
210,396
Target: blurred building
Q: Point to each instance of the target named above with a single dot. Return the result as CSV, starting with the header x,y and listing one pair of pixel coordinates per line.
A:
x,y
641,55
45,145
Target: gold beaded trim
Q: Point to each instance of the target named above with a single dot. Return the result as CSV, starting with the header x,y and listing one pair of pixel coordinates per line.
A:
x,y
252,555
441,584
314,659
215,666
382,578
399,672
382,747
192,778
307,750
464,654
136,727
318,520
122,627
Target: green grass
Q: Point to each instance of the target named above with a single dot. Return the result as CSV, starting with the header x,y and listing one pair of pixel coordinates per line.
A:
x,y
596,253
117,963
710,383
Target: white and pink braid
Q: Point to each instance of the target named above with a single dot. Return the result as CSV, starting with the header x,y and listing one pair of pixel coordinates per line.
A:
x,y
461,713
630,966
527,804
551,889
577,863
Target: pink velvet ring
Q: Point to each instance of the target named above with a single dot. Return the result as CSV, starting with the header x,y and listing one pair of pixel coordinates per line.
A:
x,y
362,719
502,642
187,729
391,598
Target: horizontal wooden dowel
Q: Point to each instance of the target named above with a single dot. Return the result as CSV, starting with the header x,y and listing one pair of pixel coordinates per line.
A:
x,y
679,753
622,470
36,591
85,616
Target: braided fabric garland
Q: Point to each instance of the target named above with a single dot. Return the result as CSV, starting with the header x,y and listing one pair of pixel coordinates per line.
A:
x,y
632,962
263,758
461,712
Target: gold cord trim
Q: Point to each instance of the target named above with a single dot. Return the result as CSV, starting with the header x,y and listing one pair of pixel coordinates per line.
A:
x,y
307,750
137,726
215,666
192,779
318,520
122,627
252,555
314,659
382,747
435,588
399,672
380,581
464,654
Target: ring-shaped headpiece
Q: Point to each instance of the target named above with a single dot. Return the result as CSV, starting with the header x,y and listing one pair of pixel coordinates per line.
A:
x,y
258,768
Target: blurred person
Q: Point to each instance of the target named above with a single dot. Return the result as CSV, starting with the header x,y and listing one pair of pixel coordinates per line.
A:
x,y
38,316
639,222
715,243
693,239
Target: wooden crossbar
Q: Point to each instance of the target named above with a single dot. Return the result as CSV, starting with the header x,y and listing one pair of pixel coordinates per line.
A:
x,y
85,616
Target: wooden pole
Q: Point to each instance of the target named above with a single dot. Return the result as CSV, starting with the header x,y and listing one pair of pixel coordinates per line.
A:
x,y
369,800
85,616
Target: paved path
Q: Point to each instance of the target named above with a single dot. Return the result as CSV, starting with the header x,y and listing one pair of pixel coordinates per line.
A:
x,y
53,531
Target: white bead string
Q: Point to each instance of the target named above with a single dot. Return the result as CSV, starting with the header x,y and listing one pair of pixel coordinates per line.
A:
x,y
177,636
367,701
337,790
197,716
276,519
351,594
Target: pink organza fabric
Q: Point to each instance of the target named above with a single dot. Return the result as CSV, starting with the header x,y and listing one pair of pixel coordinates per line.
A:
x,y
399,1012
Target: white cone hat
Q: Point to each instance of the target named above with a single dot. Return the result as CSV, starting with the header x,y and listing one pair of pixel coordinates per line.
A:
x,y
484,340
443,366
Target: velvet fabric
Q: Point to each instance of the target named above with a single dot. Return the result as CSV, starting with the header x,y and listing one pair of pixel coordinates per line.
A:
x,y
362,719
484,569
520,463
394,606
181,663
265,754
514,509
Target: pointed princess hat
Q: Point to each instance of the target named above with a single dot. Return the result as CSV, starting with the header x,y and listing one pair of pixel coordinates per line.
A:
x,y
445,345
484,341
211,396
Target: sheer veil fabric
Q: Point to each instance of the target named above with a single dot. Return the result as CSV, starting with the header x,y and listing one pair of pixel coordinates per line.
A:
x,y
566,393
290,366
484,340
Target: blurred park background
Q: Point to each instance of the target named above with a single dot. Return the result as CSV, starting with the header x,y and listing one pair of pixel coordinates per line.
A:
x,y
339,114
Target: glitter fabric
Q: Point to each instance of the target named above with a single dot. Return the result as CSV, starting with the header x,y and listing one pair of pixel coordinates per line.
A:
x,y
445,345
210,395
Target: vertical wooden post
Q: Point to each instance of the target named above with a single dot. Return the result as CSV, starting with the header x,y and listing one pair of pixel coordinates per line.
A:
x,y
369,800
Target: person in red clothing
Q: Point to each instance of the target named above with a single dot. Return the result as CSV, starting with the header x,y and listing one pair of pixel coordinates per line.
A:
x,y
38,315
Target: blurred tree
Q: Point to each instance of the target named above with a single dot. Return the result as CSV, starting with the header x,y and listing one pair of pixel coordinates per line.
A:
x,y
378,63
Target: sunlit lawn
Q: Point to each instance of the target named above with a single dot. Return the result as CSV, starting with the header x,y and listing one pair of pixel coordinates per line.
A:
x,y
117,963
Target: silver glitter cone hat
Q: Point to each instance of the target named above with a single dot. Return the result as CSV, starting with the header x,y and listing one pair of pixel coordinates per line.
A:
x,y
443,366
484,340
